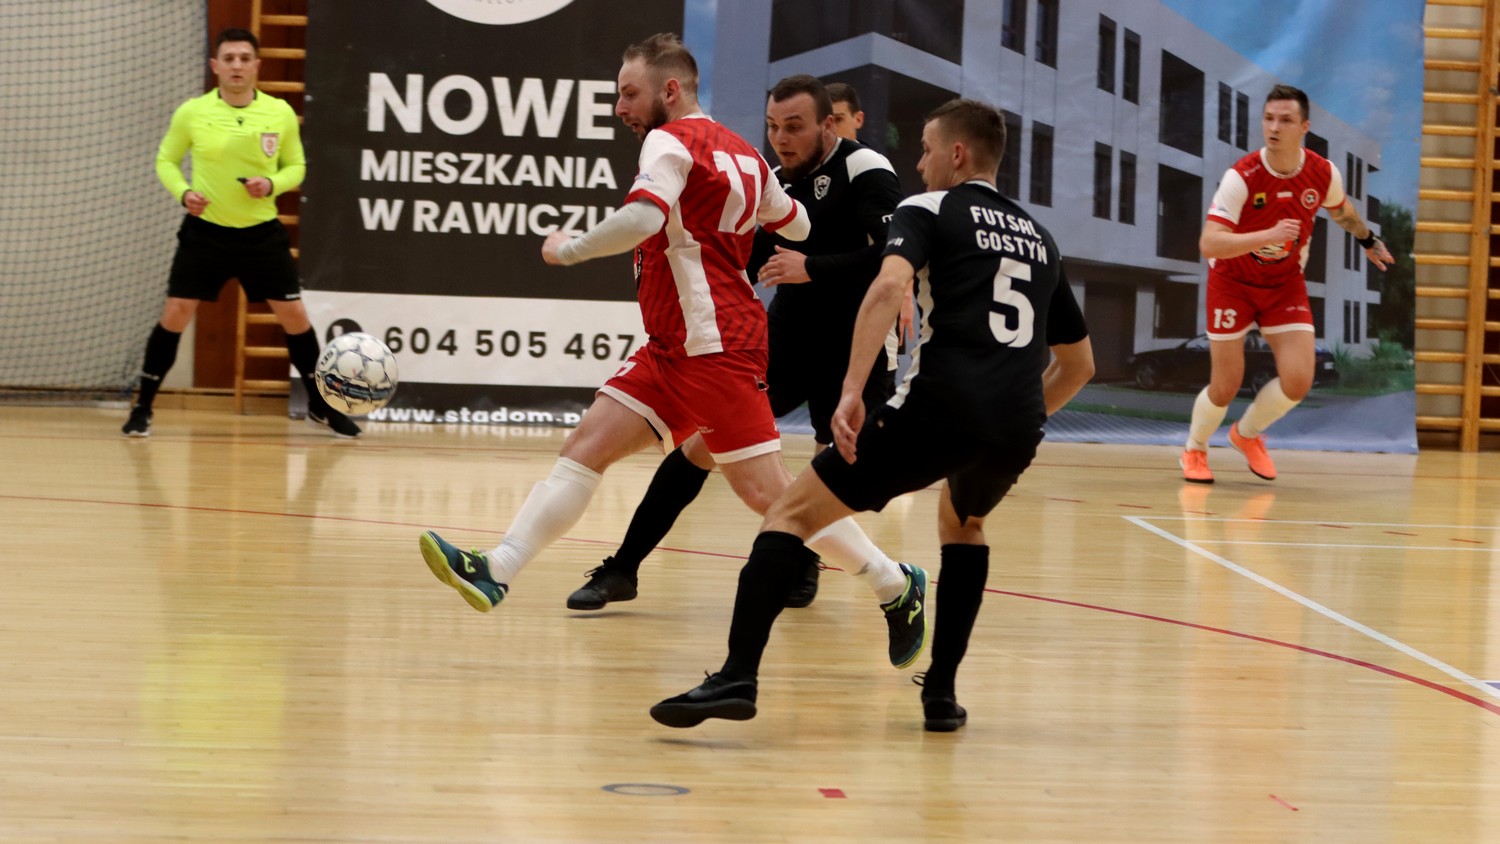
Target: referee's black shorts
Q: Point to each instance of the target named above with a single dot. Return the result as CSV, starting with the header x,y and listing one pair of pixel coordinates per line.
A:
x,y
907,448
208,255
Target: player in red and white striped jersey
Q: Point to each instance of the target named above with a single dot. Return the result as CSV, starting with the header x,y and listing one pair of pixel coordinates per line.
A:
x,y
1257,237
690,216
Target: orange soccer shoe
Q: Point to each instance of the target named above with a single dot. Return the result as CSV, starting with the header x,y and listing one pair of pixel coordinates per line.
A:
x,y
1254,449
1195,467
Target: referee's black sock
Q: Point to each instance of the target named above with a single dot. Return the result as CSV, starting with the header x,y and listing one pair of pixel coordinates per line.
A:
x,y
960,590
674,486
303,350
767,576
161,353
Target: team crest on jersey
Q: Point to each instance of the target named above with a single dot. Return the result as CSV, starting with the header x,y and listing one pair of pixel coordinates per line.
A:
x,y
821,185
269,143
1260,200
1310,198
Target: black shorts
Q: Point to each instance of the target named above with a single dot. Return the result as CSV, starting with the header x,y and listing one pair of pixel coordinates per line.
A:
x,y
209,255
812,371
903,449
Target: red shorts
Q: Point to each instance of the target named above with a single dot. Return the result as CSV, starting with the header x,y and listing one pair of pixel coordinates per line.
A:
x,y
1234,307
721,396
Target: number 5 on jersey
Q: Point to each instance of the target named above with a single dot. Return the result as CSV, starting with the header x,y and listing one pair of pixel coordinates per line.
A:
x,y
1011,305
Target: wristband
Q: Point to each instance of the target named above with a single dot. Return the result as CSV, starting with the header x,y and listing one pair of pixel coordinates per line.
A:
x,y
1368,242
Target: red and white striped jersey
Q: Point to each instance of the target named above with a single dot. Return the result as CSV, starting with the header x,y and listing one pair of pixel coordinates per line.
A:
x,y
690,276
1253,197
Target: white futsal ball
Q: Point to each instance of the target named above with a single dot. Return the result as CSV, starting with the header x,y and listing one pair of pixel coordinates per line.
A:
x,y
356,374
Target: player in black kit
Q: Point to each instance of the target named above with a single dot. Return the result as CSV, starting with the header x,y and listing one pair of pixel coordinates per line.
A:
x,y
850,192
993,299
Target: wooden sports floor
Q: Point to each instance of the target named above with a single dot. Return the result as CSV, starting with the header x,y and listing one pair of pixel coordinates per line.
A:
x,y
225,634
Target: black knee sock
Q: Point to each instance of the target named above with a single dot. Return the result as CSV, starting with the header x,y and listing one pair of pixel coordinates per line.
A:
x,y
161,353
960,590
764,581
676,483
303,350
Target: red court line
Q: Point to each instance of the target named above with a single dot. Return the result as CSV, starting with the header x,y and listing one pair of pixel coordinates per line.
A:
x,y
1391,672
1400,675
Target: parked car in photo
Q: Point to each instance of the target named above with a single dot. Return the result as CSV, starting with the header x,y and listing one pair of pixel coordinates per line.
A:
x,y
1187,365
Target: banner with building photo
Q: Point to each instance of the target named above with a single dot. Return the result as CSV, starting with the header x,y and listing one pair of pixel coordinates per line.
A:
x,y
445,139
1122,118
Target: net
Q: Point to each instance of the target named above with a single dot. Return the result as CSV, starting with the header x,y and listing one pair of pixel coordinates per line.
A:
x,y
87,232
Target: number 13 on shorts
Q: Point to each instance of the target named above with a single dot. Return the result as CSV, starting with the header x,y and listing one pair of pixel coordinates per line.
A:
x,y
1224,319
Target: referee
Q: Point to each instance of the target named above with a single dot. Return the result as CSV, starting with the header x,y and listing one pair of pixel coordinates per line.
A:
x,y
246,150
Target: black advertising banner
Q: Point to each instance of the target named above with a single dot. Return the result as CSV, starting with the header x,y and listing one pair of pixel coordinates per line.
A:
x,y
445,139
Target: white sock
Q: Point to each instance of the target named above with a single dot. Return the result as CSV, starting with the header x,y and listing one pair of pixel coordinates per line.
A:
x,y
847,546
1207,417
554,505
1270,404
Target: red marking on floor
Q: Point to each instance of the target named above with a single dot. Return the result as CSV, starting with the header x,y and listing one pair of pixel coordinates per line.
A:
x,y
1284,803
1389,672
1135,506
1337,527
1470,541
1399,533
1069,500
837,793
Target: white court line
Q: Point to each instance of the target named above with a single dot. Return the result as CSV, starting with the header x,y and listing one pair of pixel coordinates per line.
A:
x,y
1349,545
1320,609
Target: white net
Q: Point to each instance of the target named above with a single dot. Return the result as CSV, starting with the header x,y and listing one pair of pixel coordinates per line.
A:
x,y
86,231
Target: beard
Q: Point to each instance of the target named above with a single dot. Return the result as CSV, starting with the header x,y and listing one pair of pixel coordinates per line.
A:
x,y
791,174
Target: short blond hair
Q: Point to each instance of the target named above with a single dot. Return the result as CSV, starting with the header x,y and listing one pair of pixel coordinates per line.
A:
x,y
664,54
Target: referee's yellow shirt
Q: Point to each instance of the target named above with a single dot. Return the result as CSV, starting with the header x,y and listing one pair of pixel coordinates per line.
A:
x,y
229,143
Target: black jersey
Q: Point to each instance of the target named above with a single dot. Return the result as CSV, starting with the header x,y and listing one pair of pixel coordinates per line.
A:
x,y
849,198
993,297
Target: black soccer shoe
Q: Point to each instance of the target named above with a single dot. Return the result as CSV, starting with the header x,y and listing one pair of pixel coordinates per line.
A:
x,y
605,584
940,710
806,587
906,618
139,423
341,425
732,700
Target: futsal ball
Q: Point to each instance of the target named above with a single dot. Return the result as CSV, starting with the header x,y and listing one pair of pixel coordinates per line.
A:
x,y
356,374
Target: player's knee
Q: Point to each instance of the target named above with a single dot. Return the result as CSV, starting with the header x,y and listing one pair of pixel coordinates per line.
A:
x,y
1296,387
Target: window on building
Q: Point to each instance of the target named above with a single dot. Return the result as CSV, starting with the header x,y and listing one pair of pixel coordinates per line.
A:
x,y
1242,126
1041,164
1359,176
1317,143
1106,74
1103,175
1176,310
1127,187
1317,254
1316,303
1013,26
1351,181
1009,178
1353,313
1046,32
1226,113
1130,85
1181,105
932,26
1179,213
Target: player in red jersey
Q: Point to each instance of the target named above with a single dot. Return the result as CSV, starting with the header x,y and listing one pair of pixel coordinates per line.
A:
x,y
690,216
1256,240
